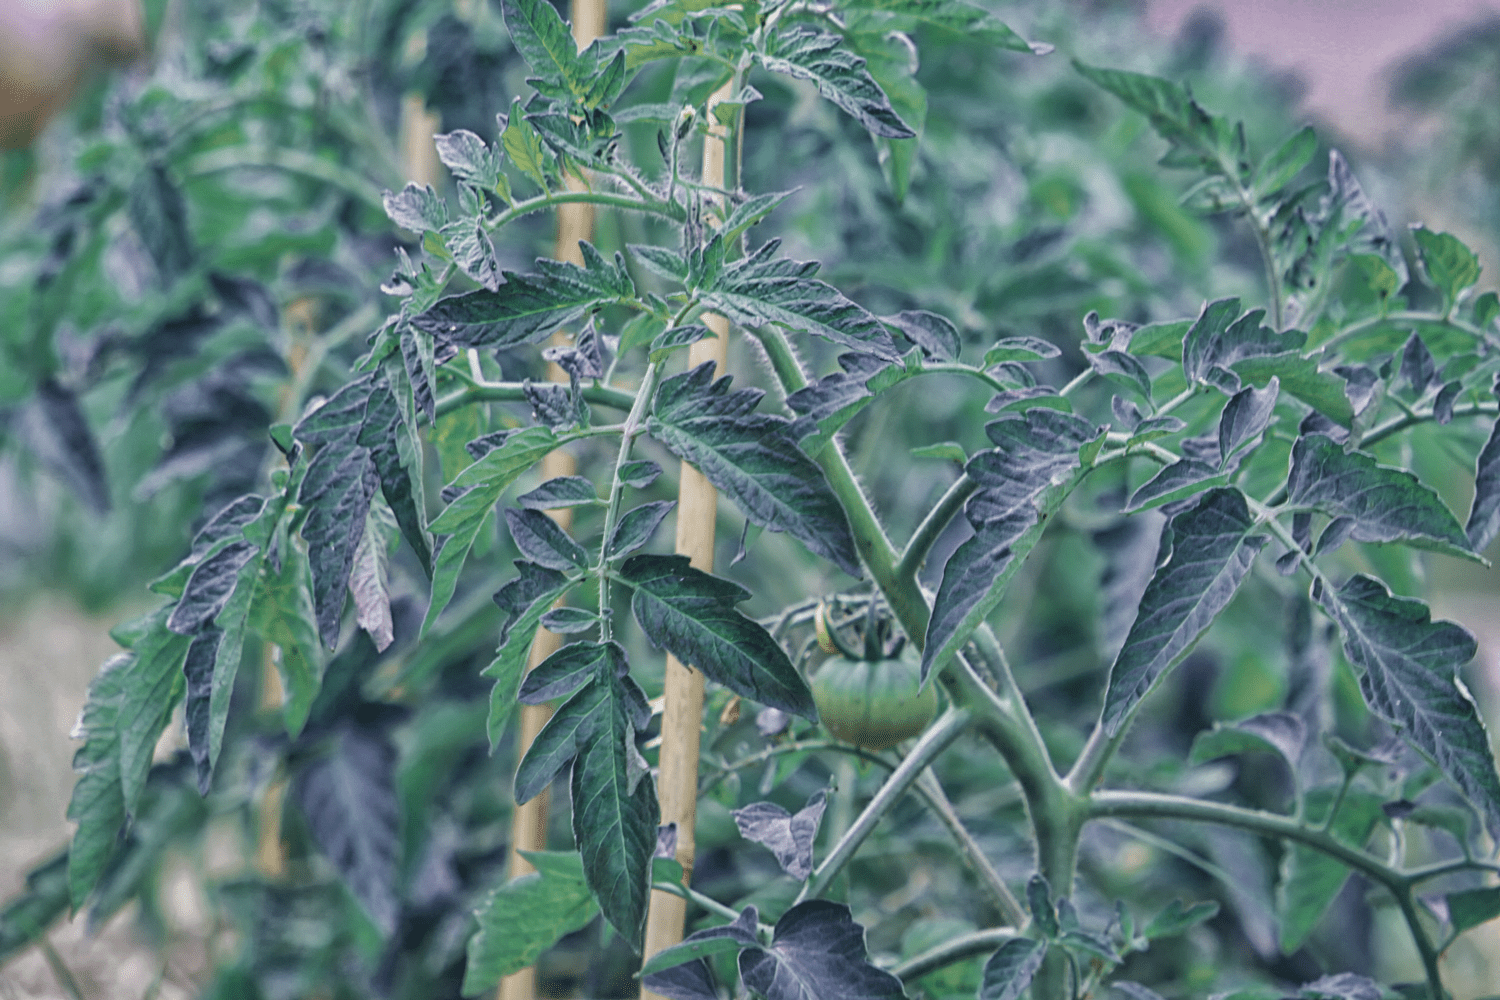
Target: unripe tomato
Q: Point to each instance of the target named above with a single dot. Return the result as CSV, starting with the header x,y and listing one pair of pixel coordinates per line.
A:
x,y
874,704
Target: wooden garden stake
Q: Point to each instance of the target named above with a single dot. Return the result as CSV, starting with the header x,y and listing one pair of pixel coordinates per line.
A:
x,y
682,719
528,827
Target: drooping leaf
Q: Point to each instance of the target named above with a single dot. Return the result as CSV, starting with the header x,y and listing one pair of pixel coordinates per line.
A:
x,y
817,952
969,20
1386,504
1285,162
574,725
150,687
564,491
789,836
1409,677
820,56
974,572
636,527
761,289
1310,880
681,971
935,335
1199,139
526,916
348,795
544,542
524,146
1181,479
564,672
1418,368
481,483
369,587
1037,460
1245,416
527,308
61,438
158,214
1020,349
42,901
615,811
1123,369
209,587
639,474
566,621
1279,732
1177,918
1009,971
692,615
1342,986
753,459
1472,907
1484,515
524,600
98,802
1209,553
283,612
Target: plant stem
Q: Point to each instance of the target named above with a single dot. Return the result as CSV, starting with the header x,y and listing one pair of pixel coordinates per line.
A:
x,y
515,392
953,950
938,737
707,902
542,202
932,526
634,424
1396,318
290,161
932,790
1397,882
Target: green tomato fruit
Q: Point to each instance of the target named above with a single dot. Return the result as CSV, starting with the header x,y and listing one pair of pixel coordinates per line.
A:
x,y
873,704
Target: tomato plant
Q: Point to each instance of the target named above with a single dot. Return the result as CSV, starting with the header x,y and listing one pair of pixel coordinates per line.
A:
x,y
1133,463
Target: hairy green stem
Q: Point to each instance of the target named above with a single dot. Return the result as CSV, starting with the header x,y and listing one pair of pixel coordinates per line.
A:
x,y
1398,883
938,737
932,790
932,526
666,209
951,951
634,425
707,902
515,392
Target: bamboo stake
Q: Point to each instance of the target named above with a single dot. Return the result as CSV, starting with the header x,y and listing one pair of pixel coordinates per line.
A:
x,y
528,829
682,719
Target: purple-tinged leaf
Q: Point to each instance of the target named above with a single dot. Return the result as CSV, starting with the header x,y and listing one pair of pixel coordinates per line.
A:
x,y
1208,552
789,836
1009,971
1409,676
817,953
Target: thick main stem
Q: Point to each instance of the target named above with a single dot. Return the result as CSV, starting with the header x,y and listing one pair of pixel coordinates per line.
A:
x,y
682,716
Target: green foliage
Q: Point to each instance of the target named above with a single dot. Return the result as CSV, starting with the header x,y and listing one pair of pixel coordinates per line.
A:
x,y
357,504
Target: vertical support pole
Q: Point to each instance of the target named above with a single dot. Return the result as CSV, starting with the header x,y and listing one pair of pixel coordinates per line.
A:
x,y
682,719
528,828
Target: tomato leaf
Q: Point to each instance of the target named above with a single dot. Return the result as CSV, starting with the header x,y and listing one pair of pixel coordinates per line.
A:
x,y
1206,553
692,615
789,836
1009,971
526,916
1409,677
817,951
753,459
809,54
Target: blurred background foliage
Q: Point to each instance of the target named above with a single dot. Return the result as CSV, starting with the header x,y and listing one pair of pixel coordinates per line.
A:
x,y
195,247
